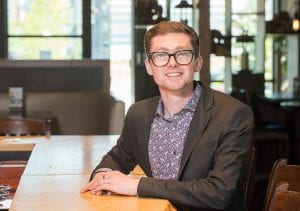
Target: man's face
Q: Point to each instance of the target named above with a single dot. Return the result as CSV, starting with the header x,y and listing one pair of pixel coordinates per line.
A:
x,y
173,76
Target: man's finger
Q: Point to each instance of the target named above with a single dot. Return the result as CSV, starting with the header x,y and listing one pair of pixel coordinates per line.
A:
x,y
85,188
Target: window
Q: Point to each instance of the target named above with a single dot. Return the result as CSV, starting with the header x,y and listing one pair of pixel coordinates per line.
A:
x,y
238,20
244,23
40,29
217,63
71,29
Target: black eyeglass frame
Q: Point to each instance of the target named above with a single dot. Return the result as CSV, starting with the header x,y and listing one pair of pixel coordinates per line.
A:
x,y
172,54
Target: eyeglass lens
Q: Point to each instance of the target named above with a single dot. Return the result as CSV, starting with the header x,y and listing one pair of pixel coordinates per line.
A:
x,y
181,57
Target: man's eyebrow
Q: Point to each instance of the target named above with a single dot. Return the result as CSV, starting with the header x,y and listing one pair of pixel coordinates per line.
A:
x,y
163,49
176,49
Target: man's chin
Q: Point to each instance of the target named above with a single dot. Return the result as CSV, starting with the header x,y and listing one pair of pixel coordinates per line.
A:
x,y
173,87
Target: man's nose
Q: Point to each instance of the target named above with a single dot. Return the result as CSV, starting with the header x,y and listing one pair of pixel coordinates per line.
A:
x,y
172,61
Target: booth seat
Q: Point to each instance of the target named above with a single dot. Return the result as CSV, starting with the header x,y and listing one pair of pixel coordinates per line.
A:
x,y
75,113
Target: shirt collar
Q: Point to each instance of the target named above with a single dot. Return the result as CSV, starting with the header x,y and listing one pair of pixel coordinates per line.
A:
x,y
190,106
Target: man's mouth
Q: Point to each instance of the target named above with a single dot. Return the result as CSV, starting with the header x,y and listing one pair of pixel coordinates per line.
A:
x,y
173,74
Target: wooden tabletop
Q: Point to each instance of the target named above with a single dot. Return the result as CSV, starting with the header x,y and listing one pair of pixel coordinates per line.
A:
x,y
61,192
24,143
278,97
59,167
27,143
69,155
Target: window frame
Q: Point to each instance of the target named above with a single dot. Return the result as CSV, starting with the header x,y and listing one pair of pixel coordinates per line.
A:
x,y
85,37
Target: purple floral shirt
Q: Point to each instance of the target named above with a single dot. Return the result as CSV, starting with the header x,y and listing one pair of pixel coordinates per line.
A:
x,y
167,138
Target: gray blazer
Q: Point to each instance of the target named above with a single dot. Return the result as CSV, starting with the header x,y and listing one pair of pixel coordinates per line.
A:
x,y
210,175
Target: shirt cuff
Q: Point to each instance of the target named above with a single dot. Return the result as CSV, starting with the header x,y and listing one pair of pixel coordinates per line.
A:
x,y
98,171
102,170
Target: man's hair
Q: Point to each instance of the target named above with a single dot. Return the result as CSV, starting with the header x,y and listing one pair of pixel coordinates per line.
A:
x,y
165,27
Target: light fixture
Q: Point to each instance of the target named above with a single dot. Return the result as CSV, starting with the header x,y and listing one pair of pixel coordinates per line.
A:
x,y
220,44
296,19
296,22
184,6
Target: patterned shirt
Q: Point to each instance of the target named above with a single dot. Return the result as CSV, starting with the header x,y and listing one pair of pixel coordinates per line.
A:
x,y
167,138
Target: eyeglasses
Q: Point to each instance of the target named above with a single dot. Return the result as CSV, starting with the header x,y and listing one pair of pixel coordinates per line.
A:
x,y
161,59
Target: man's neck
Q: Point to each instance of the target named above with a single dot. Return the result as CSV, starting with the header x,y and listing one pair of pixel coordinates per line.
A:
x,y
175,101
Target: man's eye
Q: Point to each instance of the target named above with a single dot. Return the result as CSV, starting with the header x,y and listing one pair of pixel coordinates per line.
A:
x,y
160,55
182,53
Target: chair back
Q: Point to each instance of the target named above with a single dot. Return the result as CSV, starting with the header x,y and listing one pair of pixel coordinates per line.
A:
x,y
281,172
74,113
282,199
251,82
242,95
25,127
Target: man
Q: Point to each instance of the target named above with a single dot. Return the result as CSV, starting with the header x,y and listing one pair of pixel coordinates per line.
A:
x,y
191,141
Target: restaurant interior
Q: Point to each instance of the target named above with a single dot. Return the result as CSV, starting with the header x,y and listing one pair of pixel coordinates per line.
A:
x,y
78,65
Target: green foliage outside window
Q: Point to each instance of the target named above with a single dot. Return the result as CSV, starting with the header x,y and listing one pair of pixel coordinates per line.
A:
x,y
33,23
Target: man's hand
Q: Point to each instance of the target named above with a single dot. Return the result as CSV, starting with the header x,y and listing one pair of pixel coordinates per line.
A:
x,y
113,181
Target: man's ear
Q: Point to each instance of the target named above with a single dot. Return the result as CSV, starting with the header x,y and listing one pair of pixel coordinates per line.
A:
x,y
148,67
198,63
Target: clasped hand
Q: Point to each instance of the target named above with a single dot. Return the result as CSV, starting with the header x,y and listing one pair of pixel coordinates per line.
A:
x,y
112,182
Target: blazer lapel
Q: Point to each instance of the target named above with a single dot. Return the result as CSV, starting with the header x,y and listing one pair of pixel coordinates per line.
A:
x,y
145,131
199,122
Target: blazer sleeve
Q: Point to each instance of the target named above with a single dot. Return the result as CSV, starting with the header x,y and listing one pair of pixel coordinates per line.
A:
x,y
218,188
120,157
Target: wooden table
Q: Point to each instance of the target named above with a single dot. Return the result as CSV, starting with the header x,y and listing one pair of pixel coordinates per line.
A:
x,y
61,192
278,97
59,167
69,155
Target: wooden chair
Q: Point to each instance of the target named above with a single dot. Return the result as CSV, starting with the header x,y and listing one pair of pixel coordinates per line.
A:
x,y
283,199
281,172
12,170
25,127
